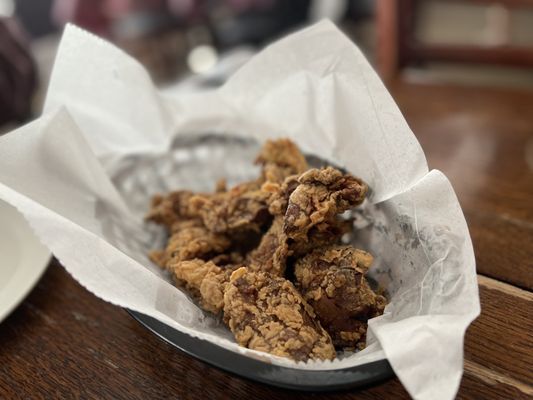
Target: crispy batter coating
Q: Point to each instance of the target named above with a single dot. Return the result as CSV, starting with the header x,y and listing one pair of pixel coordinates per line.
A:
x,y
204,280
221,186
271,254
267,313
276,245
280,158
242,208
190,239
229,249
332,281
158,257
321,194
193,240
231,258
191,273
326,233
279,194
166,210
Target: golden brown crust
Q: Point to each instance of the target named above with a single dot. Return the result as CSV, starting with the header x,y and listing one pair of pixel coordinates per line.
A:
x,y
280,158
279,194
221,186
267,313
204,280
326,233
321,194
271,254
232,258
275,246
192,240
158,257
191,273
242,208
332,280
168,209
286,214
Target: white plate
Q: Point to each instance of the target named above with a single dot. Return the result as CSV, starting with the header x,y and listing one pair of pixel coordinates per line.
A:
x,y
23,259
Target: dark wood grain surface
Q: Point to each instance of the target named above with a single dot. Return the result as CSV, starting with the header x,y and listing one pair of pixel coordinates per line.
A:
x,y
482,139
62,342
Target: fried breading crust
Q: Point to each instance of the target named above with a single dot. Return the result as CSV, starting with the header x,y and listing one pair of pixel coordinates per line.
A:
x,y
332,280
321,194
280,158
229,249
267,313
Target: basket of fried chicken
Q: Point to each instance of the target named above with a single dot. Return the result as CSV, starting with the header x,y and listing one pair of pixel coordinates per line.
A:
x,y
267,255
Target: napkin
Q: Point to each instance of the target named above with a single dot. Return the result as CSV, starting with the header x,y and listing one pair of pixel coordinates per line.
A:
x,y
82,175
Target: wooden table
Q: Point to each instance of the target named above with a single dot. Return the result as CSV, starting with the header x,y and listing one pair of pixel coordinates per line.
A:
x,y
64,342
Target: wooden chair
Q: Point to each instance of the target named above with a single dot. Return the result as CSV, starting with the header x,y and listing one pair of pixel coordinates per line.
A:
x,y
398,47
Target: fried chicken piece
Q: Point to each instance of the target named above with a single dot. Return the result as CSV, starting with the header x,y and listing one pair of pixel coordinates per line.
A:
x,y
190,239
271,254
176,206
326,233
279,194
166,210
231,258
221,186
191,273
204,280
274,248
322,226
332,281
267,313
158,257
320,195
280,158
242,208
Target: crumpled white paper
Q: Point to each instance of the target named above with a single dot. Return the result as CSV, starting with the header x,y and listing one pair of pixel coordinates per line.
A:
x,y
82,175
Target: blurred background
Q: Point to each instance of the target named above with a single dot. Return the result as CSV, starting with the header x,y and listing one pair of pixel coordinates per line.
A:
x,y
195,44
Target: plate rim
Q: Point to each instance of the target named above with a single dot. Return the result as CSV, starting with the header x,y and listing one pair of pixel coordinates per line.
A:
x,y
259,371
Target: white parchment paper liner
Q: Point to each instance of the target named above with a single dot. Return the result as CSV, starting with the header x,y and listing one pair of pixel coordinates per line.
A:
x,y
314,86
